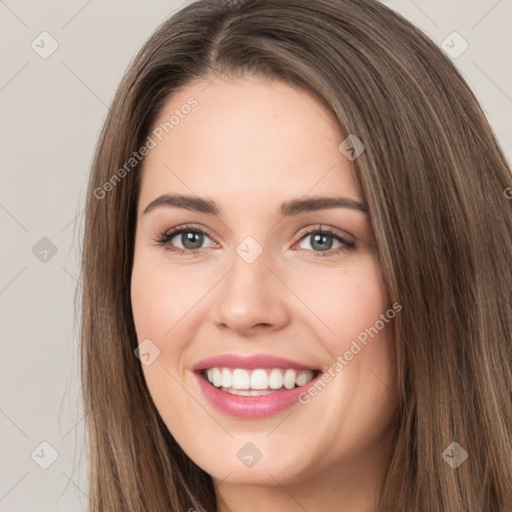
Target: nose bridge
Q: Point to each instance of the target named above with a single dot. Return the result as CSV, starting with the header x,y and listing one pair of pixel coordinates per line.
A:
x,y
248,281
250,295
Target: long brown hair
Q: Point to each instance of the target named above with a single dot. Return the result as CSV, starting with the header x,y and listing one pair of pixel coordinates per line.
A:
x,y
433,177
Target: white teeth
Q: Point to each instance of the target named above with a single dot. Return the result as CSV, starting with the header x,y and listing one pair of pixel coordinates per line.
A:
x,y
289,379
302,378
216,377
257,382
275,379
247,392
240,379
226,378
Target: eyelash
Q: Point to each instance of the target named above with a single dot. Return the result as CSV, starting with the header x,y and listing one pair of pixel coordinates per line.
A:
x,y
164,238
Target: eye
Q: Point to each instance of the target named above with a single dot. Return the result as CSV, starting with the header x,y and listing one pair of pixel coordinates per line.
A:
x,y
190,239
321,241
184,239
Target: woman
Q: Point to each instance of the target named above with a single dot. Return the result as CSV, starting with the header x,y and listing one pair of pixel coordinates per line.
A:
x,y
297,271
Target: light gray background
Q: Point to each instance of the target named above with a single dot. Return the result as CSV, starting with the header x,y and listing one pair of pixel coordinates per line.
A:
x,y
52,111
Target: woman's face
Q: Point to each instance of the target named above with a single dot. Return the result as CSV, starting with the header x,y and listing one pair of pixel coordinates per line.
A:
x,y
254,273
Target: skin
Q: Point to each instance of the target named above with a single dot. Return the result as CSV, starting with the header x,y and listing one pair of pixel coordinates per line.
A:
x,y
250,144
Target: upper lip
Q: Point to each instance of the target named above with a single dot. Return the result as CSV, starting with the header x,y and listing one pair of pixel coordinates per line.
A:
x,y
249,362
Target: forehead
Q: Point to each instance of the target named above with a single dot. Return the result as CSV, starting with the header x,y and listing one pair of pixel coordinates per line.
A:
x,y
252,139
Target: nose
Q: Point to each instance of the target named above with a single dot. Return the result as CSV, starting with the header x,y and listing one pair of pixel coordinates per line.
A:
x,y
251,299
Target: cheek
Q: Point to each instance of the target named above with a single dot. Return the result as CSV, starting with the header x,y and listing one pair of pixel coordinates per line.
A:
x,y
357,318
162,305
348,300
162,298
343,303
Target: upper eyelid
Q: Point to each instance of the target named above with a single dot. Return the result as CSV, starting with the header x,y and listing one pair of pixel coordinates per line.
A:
x,y
188,227
322,228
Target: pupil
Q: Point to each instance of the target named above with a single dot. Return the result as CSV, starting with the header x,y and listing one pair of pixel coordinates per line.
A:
x,y
319,238
195,239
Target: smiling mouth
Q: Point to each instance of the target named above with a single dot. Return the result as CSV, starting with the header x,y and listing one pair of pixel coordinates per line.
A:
x,y
257,382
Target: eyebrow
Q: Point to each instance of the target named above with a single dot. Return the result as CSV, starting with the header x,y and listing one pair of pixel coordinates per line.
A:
x,y
288,208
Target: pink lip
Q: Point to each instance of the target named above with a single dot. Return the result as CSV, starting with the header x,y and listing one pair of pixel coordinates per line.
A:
x,y
251,406
249,362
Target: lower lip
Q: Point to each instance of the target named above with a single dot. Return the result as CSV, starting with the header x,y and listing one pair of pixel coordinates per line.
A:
x,y
252,406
